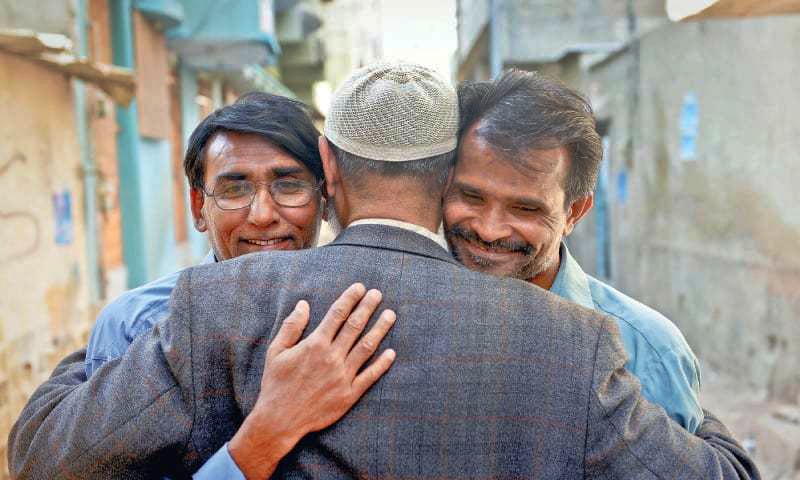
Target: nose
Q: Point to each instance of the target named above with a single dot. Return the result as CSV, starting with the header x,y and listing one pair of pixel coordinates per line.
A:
x,y
491,225
263,210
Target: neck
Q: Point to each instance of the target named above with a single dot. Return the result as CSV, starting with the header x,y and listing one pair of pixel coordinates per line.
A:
x,y
405,205
546,278
431,222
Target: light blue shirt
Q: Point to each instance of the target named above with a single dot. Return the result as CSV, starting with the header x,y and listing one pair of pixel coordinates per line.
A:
x,y
658,354
131,314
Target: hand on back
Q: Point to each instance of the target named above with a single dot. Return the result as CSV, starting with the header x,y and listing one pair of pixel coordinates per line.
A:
x,y
310,384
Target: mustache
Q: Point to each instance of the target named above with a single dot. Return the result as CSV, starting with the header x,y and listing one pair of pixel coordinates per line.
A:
x,y
458,231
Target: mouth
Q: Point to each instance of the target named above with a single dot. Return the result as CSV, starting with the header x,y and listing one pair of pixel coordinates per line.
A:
x,y
482,250
281,243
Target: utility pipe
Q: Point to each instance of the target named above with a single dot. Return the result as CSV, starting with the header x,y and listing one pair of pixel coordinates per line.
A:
x,y
88,165
128,150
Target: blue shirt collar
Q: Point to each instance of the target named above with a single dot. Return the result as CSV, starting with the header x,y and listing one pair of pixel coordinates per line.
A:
x,y
209,258
571,282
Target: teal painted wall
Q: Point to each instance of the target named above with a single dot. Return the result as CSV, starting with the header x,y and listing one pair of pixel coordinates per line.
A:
x,y
190,117
160,251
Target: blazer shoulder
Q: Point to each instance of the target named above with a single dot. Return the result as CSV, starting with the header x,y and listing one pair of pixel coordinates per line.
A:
x,y
541,308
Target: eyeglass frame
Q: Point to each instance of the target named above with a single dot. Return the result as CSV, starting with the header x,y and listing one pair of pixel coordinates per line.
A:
x,y
319,186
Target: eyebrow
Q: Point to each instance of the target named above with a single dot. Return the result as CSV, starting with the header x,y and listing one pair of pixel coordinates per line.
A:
x,y
286,171
277,172
525,201
231,176
467,187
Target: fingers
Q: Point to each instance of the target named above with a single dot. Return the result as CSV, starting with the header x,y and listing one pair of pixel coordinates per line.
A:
x,y
291,329
356,322
339,311
375,371
369,343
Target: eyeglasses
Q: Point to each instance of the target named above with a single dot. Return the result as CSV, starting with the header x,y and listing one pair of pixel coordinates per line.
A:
x,y
286,192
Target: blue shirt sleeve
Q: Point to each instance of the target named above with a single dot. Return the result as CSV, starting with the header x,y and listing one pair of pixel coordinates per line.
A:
x,y
219,467
658,355
672,380
127,317
107,340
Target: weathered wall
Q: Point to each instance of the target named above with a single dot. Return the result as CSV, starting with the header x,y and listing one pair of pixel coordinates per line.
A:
x,y
472,17
712,241
544,30
38,15
351,29
43,303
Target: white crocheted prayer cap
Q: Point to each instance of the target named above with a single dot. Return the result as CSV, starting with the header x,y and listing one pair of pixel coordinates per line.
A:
x,y
394,112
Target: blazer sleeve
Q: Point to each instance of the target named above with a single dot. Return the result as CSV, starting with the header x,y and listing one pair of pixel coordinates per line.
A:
x,y
628,437
125,421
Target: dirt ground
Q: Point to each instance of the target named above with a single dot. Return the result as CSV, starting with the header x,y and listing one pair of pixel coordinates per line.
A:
x,y
769,430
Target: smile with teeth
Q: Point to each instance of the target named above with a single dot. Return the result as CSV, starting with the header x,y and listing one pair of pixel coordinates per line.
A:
x,y
265,243
485,248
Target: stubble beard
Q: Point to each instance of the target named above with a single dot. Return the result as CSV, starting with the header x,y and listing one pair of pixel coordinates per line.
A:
x,y
526,268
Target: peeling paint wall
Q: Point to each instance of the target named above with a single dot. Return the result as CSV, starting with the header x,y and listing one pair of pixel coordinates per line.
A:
x,y
44,311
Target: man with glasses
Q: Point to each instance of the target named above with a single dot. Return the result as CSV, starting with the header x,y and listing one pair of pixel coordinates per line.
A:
x,y
256,185
256,178
262,140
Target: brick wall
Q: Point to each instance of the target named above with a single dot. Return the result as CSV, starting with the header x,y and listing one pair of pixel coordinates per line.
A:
x,y
152,79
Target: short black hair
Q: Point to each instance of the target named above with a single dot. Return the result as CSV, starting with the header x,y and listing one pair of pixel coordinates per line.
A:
x,y
282,121
519,111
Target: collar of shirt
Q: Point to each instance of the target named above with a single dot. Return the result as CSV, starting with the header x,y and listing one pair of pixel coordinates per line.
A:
x,y
571,282
436,237
209,258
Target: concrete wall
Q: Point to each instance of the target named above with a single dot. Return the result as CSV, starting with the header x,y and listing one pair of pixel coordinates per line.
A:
x,y
44,311
351,29
711,241
472,17
535,31
38,15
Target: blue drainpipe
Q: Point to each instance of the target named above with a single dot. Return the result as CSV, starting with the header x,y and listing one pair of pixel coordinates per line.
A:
x,y
495,52
128,155
87,164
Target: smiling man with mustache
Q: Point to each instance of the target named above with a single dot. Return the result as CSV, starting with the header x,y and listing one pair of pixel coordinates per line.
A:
x,y
528,160
254,171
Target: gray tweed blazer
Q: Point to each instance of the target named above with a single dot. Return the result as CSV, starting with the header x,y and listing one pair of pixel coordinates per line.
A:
x,y
494,378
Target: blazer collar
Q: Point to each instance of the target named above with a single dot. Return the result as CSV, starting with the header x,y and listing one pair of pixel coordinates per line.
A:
x,y
392,238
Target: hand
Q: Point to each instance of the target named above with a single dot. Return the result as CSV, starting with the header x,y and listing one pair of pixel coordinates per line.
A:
x,y
309,385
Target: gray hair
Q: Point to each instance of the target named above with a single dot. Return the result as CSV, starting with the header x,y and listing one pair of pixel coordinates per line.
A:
x,y
430,172
520,111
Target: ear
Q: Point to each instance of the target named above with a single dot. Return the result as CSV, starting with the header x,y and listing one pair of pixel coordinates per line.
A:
x,y
576,212
197,198
450,174
323,205
329,166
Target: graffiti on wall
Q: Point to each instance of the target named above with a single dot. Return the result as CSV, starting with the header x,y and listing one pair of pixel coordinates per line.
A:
x,y
18,222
